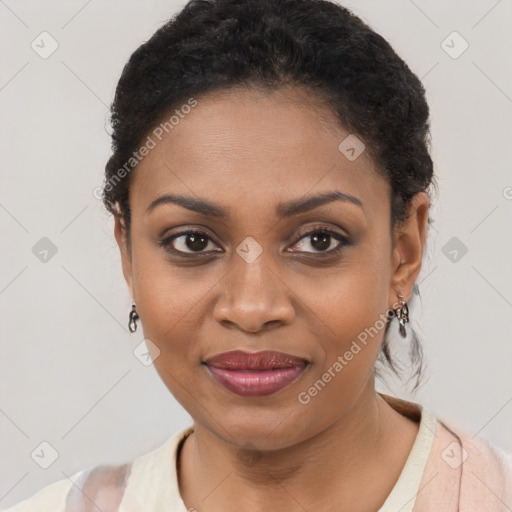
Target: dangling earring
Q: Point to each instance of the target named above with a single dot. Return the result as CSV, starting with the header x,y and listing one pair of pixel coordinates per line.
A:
x,y
402,313
132,324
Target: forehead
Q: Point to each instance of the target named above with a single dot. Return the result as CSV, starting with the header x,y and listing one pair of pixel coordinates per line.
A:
x,y
253,149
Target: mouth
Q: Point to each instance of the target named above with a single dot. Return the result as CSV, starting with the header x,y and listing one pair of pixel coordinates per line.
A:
x,y
255,374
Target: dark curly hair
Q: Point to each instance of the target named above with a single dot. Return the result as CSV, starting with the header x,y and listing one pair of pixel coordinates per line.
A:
x,y
268,44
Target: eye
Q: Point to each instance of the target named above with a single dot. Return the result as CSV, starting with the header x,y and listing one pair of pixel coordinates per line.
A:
x,y
187,242
321,240
196,242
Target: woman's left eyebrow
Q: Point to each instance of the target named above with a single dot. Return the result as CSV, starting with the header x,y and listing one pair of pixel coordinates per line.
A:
x,y
284,209
308,203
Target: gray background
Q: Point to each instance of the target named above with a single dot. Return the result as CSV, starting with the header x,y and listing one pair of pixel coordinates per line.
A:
x,y
68,373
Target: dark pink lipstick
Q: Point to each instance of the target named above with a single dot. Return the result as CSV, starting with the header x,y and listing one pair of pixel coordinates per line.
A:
x,y
255,374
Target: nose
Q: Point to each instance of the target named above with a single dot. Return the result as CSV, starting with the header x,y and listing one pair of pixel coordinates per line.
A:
x,y
254,298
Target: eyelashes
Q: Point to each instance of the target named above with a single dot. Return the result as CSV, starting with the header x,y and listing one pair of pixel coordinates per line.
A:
x,y
322,233
197,237
201,241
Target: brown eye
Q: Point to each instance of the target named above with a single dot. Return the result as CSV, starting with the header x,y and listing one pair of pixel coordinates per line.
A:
x,y
187,242
321,241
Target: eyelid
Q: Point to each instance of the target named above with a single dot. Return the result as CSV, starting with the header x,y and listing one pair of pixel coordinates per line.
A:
x,y
318,227
166,241
341,238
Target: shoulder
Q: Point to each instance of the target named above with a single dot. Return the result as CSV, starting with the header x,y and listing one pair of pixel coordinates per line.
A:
x,y
98,488
486,476
476,453
463,472
103,487
466,471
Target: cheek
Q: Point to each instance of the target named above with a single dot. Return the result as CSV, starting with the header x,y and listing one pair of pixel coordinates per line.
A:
x,y
355,305
165,293
350,298
350,309
167,300
356,330
356,321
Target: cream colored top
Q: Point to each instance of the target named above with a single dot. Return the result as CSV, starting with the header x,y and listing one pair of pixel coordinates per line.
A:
x,y
150,484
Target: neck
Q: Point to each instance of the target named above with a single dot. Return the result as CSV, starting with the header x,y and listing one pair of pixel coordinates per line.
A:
x,y
214,473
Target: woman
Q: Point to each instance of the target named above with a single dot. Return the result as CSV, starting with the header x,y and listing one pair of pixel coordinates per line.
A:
x,y
270,184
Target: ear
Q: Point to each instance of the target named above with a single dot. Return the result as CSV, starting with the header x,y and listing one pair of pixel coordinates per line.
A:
x,y
126,259
409,244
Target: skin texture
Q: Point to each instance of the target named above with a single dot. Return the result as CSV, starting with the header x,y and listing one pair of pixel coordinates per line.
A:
x,y
248,151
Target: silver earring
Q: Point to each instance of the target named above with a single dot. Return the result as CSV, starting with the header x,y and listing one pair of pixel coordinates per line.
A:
x,y
134,316
402,313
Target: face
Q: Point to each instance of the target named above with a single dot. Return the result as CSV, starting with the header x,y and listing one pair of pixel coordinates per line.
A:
x,y
269,267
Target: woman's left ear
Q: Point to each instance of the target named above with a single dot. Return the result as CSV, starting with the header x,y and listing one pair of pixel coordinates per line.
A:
x,y
409,245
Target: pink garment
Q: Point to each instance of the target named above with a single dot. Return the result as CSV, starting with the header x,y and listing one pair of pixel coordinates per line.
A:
x,y
463,473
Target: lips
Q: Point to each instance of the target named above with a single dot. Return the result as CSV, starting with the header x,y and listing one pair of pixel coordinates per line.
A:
x,y
255,374
258,361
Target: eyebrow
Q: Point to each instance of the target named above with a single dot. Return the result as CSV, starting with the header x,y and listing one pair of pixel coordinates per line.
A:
x,y
286,209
